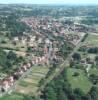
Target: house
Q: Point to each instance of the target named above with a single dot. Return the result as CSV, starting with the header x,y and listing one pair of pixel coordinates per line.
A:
x,y
24,67
36,60
28,65
15,39
16,75
47,41
88,67
83,61
5,85
23,39
45,50
32,38
20,72
40,40
11,79
33,62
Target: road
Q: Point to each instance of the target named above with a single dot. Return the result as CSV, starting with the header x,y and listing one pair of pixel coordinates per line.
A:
x,y
51,77
61,67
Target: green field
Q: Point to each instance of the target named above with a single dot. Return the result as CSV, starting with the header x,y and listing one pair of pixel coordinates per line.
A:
x,y
92,39
80,81
12,97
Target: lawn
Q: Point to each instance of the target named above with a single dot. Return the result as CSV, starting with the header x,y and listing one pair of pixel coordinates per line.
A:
x,y
12,97
80,81
92,39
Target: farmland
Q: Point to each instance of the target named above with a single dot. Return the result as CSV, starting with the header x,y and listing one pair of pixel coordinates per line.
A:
x,y
30,83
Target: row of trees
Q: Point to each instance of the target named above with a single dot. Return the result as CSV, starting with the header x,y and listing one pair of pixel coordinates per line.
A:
x,y
89,50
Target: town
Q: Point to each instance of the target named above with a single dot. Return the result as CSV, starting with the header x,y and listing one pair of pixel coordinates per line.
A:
x,y
42,54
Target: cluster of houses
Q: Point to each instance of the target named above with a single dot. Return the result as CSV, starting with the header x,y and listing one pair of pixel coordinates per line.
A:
x,y
9,81
50,26
49,47
48,55
24,39
87,63
39,24
72,38
54,25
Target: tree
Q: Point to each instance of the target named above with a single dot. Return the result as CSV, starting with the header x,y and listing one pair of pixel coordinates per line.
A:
x,y
3,59
76,74
50,94
94,93
78,94
76,56
96,58
61,95
11,55
93,50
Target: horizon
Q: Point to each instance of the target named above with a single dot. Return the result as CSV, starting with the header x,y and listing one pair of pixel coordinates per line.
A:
x,y
51,2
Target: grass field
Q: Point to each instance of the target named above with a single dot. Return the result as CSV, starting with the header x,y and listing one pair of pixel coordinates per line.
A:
x,y
92,39
80,81
13,96
30,83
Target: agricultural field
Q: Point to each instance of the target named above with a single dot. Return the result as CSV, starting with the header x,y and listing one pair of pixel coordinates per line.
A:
x,y
30,83
81,81
92,40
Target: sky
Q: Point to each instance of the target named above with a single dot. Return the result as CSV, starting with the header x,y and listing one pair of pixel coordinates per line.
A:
x,y
50,1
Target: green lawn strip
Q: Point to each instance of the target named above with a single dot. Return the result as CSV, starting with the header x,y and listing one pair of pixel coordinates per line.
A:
x,y
80,81
38,74
29,80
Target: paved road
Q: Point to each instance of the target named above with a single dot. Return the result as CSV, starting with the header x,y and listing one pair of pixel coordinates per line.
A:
x,y
61,67
57,71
